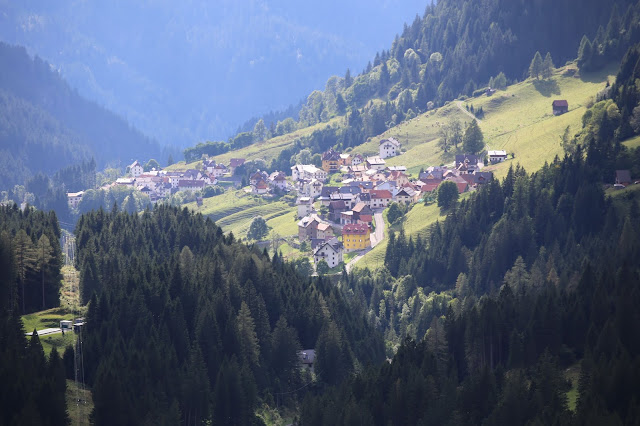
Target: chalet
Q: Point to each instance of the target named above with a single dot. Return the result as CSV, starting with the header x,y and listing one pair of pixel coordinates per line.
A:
x,y
308,228
307,358
460,182
389,148
331,161
191,185
315,188
356,237
219,170
407,195
430,185
74,198
331,251
350,190
335,209
192,174
278,180
305,206
357,159
468,159
257,177
345,159
136,169
347,198
234,163
376,163
623,177
400,178
362,214
260,187
363,197
480,178
497,156
365,185
325,195
380,198
146,191
324,231
560,106
346,217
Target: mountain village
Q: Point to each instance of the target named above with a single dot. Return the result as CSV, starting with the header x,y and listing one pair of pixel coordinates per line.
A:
x,y
339,205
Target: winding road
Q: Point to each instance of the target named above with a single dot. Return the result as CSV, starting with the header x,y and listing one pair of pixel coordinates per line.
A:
x,y
469,113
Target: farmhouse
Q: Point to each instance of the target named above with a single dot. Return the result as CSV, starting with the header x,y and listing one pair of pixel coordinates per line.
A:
x,y
331,251
380,198
136,169
389,148
376,163
560,106
331,161
74,198
497,156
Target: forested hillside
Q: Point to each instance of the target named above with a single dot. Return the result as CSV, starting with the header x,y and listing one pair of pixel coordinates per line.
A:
x,y
47,126
186,324
457,48
32,388
539,276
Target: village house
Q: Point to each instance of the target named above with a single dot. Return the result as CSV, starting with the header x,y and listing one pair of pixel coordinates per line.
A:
x,y
335,210
308,228
402,169
356,237
257,177
363,197
407,195
307,358
389,148
346,217
559,106
260,187
190,185
345,159
460,182
376,162
74,198
125,182
331,161
623,177
331,251
325,195
136,169
308,171
400,178
357,159
234,163
380,198
219,170
497,156
305,206
324,231
192,174
314,188
208,165
347,198
362,214
278,180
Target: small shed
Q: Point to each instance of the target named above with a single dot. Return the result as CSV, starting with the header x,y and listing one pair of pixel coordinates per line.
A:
x,y
623,177
307,358
560,106
65,325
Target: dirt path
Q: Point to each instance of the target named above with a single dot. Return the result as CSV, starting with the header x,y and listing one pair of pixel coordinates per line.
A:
x,y
463,109
375,239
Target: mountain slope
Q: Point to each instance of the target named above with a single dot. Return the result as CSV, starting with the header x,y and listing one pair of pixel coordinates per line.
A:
x,y
47,125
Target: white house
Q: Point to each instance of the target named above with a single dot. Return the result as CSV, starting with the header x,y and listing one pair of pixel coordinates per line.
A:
x,y
497,156
376,163
278,180
389,148
74,198
331,251
190,185
136,169
305,206
308,171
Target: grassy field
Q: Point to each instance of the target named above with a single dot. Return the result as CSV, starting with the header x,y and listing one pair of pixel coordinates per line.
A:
x,y
572,374
79,403
632,143
234,210
518,120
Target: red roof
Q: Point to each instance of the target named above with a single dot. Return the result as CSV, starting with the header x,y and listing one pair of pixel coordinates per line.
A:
x,y
355,228
380,193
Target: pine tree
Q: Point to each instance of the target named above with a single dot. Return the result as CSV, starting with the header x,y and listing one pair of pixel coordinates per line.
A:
x,y
473,140
547,66
535,69
247,336
44,253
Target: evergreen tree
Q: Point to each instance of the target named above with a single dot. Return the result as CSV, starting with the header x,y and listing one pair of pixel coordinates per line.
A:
x,y
535,69
547,66
473,140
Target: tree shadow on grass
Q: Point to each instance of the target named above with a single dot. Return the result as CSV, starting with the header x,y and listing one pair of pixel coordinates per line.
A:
x,y
547,87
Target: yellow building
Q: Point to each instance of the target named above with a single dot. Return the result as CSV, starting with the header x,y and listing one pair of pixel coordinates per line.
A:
x,y
356,236
331,161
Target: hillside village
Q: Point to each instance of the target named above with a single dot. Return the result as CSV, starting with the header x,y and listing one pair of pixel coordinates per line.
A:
x,y
339,205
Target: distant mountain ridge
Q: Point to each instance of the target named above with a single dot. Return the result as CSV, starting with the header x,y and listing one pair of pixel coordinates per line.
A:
x,y
46,125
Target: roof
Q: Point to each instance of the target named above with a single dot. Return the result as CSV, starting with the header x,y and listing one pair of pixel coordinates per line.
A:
x,y
375,160
191,182
337,205
307,356
390,140
497,153
332,243
330,155
380,193
134,164
359,207
323,226
236,162
75,194
355,228
623,176
560,103
462,158
328,190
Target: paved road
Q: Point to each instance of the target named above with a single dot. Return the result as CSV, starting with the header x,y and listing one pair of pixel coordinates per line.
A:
x,y
46,331
376,237
463,109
